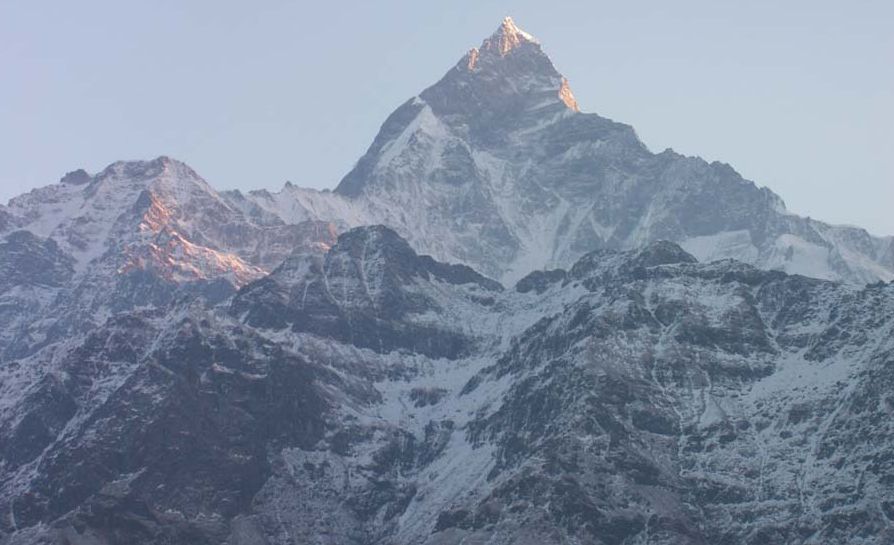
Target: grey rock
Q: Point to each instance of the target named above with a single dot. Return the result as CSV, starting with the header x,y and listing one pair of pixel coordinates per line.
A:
x,y
641,397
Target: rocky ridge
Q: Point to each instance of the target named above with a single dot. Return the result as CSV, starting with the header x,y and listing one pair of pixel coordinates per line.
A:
x,y
181,365
372,395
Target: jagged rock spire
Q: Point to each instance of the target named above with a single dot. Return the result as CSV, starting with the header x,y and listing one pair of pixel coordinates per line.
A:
x,y
507,37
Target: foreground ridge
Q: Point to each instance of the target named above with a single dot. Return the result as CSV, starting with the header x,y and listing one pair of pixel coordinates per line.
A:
x,y
374,395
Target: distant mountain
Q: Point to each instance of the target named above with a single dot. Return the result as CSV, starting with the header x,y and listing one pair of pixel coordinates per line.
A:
x,y
133,235
495,166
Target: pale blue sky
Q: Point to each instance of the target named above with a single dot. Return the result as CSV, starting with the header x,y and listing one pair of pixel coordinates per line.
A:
x,y
796,95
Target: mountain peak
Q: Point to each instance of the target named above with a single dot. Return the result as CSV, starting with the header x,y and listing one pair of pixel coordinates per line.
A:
x,y
76,177
507,37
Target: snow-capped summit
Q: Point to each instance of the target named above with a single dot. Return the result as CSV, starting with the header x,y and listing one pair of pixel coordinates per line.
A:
x,y
506,38
496,166
508,71
135,234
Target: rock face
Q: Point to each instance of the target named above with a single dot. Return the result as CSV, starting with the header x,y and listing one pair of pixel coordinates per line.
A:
x,y
495,166
372,395
136,234
32,271
371,290
182,366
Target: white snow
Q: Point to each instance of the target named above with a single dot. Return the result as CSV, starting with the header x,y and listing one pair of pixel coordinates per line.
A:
x,y
725,245
795,255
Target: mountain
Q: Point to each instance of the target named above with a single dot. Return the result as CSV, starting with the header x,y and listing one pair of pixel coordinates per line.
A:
x,y
495,166
136,234
373,395
180,365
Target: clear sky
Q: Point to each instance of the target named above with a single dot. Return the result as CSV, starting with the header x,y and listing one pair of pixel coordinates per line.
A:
x,y
797,95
